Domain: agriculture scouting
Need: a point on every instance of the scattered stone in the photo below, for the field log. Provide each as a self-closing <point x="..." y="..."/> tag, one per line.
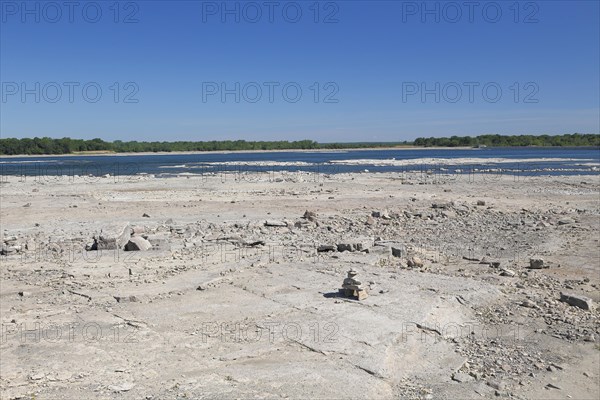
<point x="326" y="247"/>
<point x="507" y="272"/>
<point x="537" y="263"/>
<point x="495" y="385"/>
<point x="357" y="244"/>
<point x="112" y="237"/>
<point x="551" y="386"/>
<point x="126" y="299"/>
<point x="138" y="243"/>
<point x="461" y="377"/>
<point x="8" y="250"/>
<point x="275" y="223"/>
<point x="582" y="302"/>
<point x="37" y="376"/>
<point x="566" y="221"/>
<point x="529" y="304"/>
<point x="590" y="338"/>
<point x="397" y="251"/>
<point x="124" y="387"/>
<point x="310" y="215"/>
<point x="415" y="262"/>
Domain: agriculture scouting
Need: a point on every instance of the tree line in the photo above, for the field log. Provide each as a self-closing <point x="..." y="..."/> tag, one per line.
<point x="45" y="145"/>
<point x="575" y="139"/>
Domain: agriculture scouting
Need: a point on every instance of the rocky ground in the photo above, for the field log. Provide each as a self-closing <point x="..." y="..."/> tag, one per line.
<point x="227" y="286"/>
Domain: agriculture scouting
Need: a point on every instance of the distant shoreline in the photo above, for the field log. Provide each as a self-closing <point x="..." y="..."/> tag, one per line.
<point x="164" y="153"/>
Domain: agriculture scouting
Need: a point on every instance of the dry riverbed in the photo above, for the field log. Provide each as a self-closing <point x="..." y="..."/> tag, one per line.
<point x="478" y="287"/>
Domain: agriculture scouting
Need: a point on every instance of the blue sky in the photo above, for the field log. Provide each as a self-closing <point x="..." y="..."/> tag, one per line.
<point x="369" y="63"/>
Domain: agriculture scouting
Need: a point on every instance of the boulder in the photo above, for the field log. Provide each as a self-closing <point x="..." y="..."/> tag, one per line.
<point x="355" y="244"/>
<point x="397" y="249"/>
<point x="537" y="263"/>
<point x="138" y="243"/>
<point x="326" y="247"/>
<point x="112" y="237"/>
<point x="582" y="302"/>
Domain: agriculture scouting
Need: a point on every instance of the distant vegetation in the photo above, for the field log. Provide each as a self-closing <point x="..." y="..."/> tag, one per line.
<point x="575" y="139"/>
<point x="37" y="146"/>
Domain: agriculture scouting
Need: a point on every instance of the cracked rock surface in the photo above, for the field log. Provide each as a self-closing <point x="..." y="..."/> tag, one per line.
<point x="229" y="288"/>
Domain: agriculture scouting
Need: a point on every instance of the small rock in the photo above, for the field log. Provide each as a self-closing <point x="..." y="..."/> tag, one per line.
<point x="415" y="262"/>
<point x="138" y="243"/>
<point x="590" y="338"/>
<point x="566" y="221"/>
<point x="495" y="385"/>
<point x="37" y="376"/>
<point x="461" y="377"/>
<point x="578" y="301"/>
<point x="275" y="223"/>
<point x="551" y="386"/>
<point x="480" y="202"/>
<point x="326" y="247"/>
<point x="529" y="304"/>
<point x="126" y="299"/>
<point x="145" y="215"/>
<point x="507" y="272"/>
<point x="537" y="263"/>
<point x="310" y="215"/>
<point x="124" y="387"/>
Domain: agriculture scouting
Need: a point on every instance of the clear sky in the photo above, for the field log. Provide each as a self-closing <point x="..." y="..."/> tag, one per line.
<point x="328" y="71"/>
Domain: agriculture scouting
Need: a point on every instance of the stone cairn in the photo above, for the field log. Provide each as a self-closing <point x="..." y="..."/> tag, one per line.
<point x="351" y="287"/>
